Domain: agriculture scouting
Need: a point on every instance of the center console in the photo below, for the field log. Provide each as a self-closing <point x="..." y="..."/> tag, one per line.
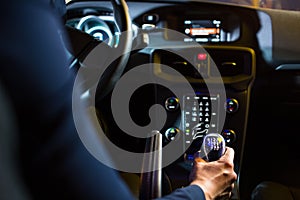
<point x="210" y="109"/>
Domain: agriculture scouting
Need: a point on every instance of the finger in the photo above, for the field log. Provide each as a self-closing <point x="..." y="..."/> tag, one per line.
<point x="228" y="155"/>
<point x="228" y="190"/>
<point x="231" y="187"/>
<point x="225" y="196"/>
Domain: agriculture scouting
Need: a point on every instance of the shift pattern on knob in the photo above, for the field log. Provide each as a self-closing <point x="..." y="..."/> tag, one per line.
<point x="213" y="147"/>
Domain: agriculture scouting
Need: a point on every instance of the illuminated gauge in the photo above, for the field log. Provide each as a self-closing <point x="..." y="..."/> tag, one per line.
<point x="73" y="22"/>
<point x="96" y="27"/>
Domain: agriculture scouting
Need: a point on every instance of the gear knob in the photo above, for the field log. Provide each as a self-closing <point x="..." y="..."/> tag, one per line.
<point x="213" y="147"/>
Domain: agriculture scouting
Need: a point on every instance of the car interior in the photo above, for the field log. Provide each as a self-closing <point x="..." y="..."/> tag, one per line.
<point x="242" y="63"/>
<point x="185" y="69"/>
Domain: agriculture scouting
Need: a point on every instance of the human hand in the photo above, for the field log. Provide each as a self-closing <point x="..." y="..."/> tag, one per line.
<point x="215" y="178"/>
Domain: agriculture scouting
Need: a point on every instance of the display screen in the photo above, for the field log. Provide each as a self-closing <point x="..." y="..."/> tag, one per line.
<point x="202" y="30"/>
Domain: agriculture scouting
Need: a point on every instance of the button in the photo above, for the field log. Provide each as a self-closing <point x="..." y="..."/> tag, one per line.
<point x="172" y="104"/>
<point x="171" y="133"/>
<point x="232" y="105"/>
<point x="201" y="56"/>
<point x="229" y="136"/>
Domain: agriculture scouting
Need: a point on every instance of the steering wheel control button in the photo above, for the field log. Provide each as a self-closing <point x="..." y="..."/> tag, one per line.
<point x="172" y="104"/>
<point x="171" y="133"/>
<point x="229" y="136"/>
<point x="232" y="105"/>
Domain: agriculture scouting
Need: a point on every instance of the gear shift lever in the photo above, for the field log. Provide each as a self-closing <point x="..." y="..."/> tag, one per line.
<point x="213" y="147"/>
<point x="151" y="182"/>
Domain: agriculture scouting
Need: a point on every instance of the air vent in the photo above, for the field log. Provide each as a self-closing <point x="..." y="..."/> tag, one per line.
<point x="230" y="62"/>
<point x="214" y="62"/>
<point x="180" y="64"/>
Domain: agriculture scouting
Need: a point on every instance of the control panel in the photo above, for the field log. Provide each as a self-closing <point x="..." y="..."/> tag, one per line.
<point x="200" y="116"/>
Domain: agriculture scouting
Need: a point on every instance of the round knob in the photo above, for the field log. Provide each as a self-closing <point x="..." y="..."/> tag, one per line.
<point x="172" y="103"/>
<point x="229" y="136"/>
<point x="171" y="133"/>
<point x="232" y="105"/>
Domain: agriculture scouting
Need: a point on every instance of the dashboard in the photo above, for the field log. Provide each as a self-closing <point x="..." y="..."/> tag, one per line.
<point x="241" y="62"/>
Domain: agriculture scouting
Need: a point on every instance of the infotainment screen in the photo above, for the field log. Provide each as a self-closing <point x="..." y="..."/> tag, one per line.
<point x="202" y="30"/>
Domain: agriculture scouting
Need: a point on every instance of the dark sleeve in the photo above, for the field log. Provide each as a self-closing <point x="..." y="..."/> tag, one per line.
<point x="34" y="70"/>
<point x="192" y="192"/>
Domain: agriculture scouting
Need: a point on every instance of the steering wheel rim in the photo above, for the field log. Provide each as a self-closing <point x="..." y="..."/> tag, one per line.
<point x="123" y="21"/>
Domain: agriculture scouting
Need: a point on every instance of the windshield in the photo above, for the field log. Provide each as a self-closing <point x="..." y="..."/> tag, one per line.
<point x="273" y="4"/>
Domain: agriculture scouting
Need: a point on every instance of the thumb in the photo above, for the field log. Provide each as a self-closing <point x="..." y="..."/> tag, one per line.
<point x="228" y="155"/>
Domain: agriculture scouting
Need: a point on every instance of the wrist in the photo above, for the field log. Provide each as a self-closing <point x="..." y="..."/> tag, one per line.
<point x="204" y="190"/>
